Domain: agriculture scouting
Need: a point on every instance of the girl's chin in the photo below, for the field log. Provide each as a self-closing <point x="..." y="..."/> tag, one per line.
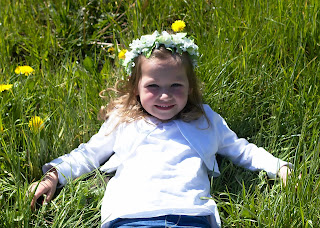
<point x="164" y="117"/>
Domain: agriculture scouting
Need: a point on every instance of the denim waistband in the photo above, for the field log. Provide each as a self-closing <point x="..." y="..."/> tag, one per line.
<point x="166" y="221"/>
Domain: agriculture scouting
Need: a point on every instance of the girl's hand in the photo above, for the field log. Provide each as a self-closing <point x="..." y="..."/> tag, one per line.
<point x="47" y="187"/>
<point x="284" y="172"/>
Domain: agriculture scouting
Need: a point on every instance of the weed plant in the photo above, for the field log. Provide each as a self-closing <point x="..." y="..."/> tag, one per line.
<point x="259" y="68"/>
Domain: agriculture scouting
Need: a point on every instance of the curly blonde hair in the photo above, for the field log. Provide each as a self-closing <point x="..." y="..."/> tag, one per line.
<point x="127" y="103"/>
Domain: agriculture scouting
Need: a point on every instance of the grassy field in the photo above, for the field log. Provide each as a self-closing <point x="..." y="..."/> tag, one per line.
<point x="260" y="70"/>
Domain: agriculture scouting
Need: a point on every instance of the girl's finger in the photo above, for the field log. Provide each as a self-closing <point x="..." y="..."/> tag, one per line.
<point x="31" y="189"/>
<point x="33" y="202"/>
<point x="49" y="196"/>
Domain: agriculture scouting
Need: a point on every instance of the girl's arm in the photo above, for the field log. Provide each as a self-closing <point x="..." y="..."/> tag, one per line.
<point x="88" y="156"/>
<point x="83" y="159"/>
<point x="248" y="155"/>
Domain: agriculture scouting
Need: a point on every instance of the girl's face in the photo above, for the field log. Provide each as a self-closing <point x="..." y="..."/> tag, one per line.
<point x="163" y="87"/>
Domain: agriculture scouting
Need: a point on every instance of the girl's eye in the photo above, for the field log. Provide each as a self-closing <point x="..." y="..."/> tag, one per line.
<point x="176" y="85"/>
<point x="152" y="86"/>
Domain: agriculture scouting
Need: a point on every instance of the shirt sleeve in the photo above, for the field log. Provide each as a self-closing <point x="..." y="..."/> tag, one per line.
<point x="246" y="154"/>
<point x="88" y="156"/>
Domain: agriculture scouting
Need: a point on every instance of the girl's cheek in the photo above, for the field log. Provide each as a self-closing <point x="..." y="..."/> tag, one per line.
<point x="153" y="91"/>
<point x="180" y="92"/>
<point x="150" y="94"/>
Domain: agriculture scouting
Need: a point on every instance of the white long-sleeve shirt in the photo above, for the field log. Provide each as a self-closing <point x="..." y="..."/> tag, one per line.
<point x="162" y="167"/>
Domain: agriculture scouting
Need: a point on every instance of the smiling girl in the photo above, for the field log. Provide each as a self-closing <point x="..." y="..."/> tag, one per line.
<point x="162" y="143"/>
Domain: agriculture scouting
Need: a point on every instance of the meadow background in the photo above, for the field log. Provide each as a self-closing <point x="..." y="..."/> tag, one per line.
<point x="260" y="70"/>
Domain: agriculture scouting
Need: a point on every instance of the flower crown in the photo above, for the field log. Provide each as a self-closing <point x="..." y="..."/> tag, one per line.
<point x="178" y="42"/>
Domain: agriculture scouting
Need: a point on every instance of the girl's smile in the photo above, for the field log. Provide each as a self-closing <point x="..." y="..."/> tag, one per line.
<point x="164" y="107"/>
<point x="163" y="88"/>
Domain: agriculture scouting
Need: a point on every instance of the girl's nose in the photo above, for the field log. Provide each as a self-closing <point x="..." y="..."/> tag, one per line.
<point x="165" y="95"/>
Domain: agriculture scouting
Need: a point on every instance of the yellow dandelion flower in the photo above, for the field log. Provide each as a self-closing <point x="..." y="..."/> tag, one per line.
<point x="5" y="87"/>
<point x="36" y="124"/>
<point x="122" y="54"/>
<point x="26" y="70"/>
<point x="178" y="26"/>
<point x="111" y="50"/>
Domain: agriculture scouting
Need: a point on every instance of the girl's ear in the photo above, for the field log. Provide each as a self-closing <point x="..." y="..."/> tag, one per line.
<point x="190" y="91"/>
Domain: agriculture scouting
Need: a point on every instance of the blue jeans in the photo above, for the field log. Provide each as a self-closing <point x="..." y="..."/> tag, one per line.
<point x="167" y="221"/>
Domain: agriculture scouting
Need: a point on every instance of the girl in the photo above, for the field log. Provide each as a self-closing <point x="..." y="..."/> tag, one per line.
<point x="161" y="141"/>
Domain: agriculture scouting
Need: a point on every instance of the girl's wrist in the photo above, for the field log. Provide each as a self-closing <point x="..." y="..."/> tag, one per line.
<point x="52" y="175"/>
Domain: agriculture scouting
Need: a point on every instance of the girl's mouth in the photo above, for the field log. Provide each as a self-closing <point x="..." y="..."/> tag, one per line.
<point x="164" y="107"/>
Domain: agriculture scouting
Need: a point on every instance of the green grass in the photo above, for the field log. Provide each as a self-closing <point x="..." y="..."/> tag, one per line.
<point x="260" y="70"/>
